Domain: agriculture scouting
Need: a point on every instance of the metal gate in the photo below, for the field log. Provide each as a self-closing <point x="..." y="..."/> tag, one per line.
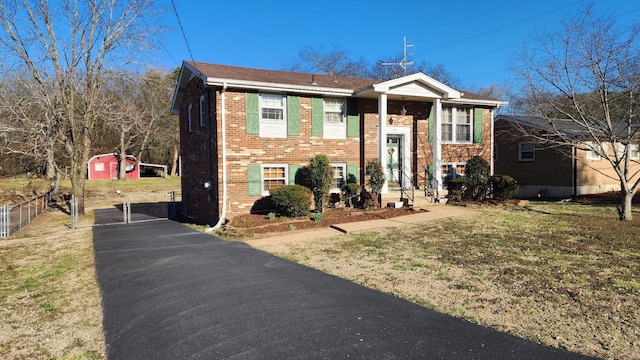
<point x="140" y="207"/>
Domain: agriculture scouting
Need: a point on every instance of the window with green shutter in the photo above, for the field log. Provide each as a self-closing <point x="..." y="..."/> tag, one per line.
<point x="353" y="118"/>
<point x="352" y="173"/>
<point x="253" y="113"/>
<point x="430" y="128"/>
<point x="317" y="116"/>
<point x="254" y="180"/>
<point x="293" y="115"/>
<point x="477" y="125"/>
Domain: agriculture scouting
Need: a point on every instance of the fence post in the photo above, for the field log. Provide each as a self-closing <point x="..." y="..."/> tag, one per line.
<point x="4" y="221"/>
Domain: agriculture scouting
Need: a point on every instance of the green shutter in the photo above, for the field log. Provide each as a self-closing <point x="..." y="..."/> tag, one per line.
<point x="253" y="113"/>
<point x="352" y="170"/>
<point x="477" y="125"/>
<point x="293" y="170"/>
<point x="254" y="180"/>
<point x="353" y="118"/>
<point x="430" y="130"/>
<point x="317" y="116"/>
<point x="293" y="115"/>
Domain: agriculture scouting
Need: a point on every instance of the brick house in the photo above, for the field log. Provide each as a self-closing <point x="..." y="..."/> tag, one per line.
<point x="244" y="131"/>
<point x="553" y="171"/>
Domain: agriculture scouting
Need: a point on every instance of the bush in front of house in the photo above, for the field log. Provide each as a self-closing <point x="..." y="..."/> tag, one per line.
<point x="477" y="174"/>
<point x="459" y="189"/>
<point x="349" y="192"/>
<point x="321" y="174"/>
<point x="376" y="180"/>
<point x="503" y="187"/>
<point x="291" y="200"/>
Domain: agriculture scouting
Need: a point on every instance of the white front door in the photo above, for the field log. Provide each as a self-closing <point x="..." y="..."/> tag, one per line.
<point x="394" y="160"/>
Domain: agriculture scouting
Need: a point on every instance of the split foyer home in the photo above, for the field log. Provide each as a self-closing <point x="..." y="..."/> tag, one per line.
<point x="246" y="131"/>
<point x="554" y="171"/>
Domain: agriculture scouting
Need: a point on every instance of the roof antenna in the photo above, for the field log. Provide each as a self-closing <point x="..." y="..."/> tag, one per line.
<point x="403" y="64"/>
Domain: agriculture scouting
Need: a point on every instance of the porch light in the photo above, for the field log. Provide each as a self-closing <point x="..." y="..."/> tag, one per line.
<point x="403" y="111"/>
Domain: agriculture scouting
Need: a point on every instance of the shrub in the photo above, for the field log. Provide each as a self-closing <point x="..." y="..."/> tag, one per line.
<point x="291" y="200"/>
<point x="459" y="189"/>
<point x="376" y="178"/>
<point x="477" y="173"/>
<point x="349" y="193"/>
<point x="503" y="187"/>
<point x="321" y="174"/>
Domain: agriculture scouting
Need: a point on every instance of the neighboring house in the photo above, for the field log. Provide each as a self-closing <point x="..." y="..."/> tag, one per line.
<point x="105" y="167"/>
<point x="550" y="171"/>
<point x="245" y="131"/>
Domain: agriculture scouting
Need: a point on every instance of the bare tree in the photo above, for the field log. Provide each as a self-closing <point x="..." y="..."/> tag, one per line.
<point x="71" y="48"/>
<point x="588" y="73"/>
<point x="332" y="62"/>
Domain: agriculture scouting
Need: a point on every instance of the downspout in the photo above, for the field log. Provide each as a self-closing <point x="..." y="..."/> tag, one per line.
<point x="224" y="158"/>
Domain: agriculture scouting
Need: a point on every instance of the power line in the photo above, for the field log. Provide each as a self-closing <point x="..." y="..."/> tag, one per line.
<point x="502" y="27"/>
<point x="175" y="11"/>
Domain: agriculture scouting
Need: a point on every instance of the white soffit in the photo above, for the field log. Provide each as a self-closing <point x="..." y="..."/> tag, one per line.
<point x="415" y="88"/>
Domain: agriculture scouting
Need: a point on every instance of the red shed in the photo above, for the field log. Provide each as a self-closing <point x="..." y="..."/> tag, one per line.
<point x="105" y="167"/>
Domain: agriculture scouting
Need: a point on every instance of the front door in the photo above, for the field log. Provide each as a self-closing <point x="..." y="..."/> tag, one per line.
<point x="394" y="160"/>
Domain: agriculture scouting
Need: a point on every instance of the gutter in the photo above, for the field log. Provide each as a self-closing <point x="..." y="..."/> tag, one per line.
<point x="224" y="159"/>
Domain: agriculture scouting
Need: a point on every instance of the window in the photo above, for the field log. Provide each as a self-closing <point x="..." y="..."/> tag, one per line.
<point x="273" y="176"/>
<point x="190" y="118"/>
<point x="595" y="150"/>
<point x="634" y="151"/>
<point x="98" y="167"/>
<point x="335" y="126"/>
<point x="526" y="152"/>
<point x="456" y="125"/>
<point x="451" y="171"/>
<point x="202" y="111"/>
<point x="272" y="116"/>
<point x="339" y="177"/>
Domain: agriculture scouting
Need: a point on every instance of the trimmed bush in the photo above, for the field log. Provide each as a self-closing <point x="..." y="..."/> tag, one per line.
<point x="292" y="200"/>
<point x="349" y="192"/>
<point x="503" y="187"/>
<point x="459" y="189"/>
<point x="321" y="173"/>
<point x="376" y="178"/>
<point x="477" y="172"/>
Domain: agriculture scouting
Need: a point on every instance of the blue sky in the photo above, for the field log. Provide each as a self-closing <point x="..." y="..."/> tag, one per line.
<point x="473" y="39"/>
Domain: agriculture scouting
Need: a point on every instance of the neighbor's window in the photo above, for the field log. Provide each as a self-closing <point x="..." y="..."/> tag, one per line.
<point x="98" y="167"/>
<point x="335" y="126"/>
<point x="456" y="124"/>
<point x="273" y="176"/>
<point x="526" y="152"/>
<point x="202" y="111"/>
<point x="190" y="118"/>
<point x="272" y="116"/>
<point x="339" y="176"/>
<point x="595" y="150"/>
<point x="634" y="151"/>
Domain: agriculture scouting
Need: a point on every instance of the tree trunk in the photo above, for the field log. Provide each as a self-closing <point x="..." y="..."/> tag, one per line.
<point x="174" y="163"/>
<point x="625" y="212"/>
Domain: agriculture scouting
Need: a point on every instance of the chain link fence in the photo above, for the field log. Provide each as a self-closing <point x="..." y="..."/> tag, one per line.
<point x="140" y="207"/>
<point x="14" y="217"/>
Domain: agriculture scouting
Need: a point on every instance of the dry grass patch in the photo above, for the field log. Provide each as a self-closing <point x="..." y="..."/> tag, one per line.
<point x="49" y="296"/>
<point x="563" y="275"/>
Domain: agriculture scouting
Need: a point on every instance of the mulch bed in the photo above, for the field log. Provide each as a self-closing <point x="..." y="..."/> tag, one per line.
<point x="261" y="224"/>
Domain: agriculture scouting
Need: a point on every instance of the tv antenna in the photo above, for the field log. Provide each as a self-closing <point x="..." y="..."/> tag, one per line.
<point x="403" y="63"/>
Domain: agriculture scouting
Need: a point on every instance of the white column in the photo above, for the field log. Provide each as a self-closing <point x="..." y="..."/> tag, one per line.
<point x="437" y="144"/>
<point x="382" y="136"/>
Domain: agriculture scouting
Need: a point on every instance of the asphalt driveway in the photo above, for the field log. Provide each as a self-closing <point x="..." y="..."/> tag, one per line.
<point x="170" y="292"/>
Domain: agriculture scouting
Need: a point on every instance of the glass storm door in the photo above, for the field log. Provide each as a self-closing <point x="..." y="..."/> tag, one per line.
<point x="393" y="160"/>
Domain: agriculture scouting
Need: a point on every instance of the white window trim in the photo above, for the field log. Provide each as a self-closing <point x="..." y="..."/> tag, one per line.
<point x="454" y="125"/>
<point x="453" y="165"/>
<point x="98" y="167"/>
<point x="533" y="151"/>
<point x="202" y="111"/>
<point x="634" y="148"/>
<point x="190" y="118"/>
<point x="592" y="154"/>
<point x="344" y="176"/>
<point x="269" y="127"/>
<point x="262" y="179"/>
<point x="333" y="130"/>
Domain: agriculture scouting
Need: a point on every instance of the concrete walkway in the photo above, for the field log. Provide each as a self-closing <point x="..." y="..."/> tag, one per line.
<point x="424" y="214"/>
<point x="171" y="292"/>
